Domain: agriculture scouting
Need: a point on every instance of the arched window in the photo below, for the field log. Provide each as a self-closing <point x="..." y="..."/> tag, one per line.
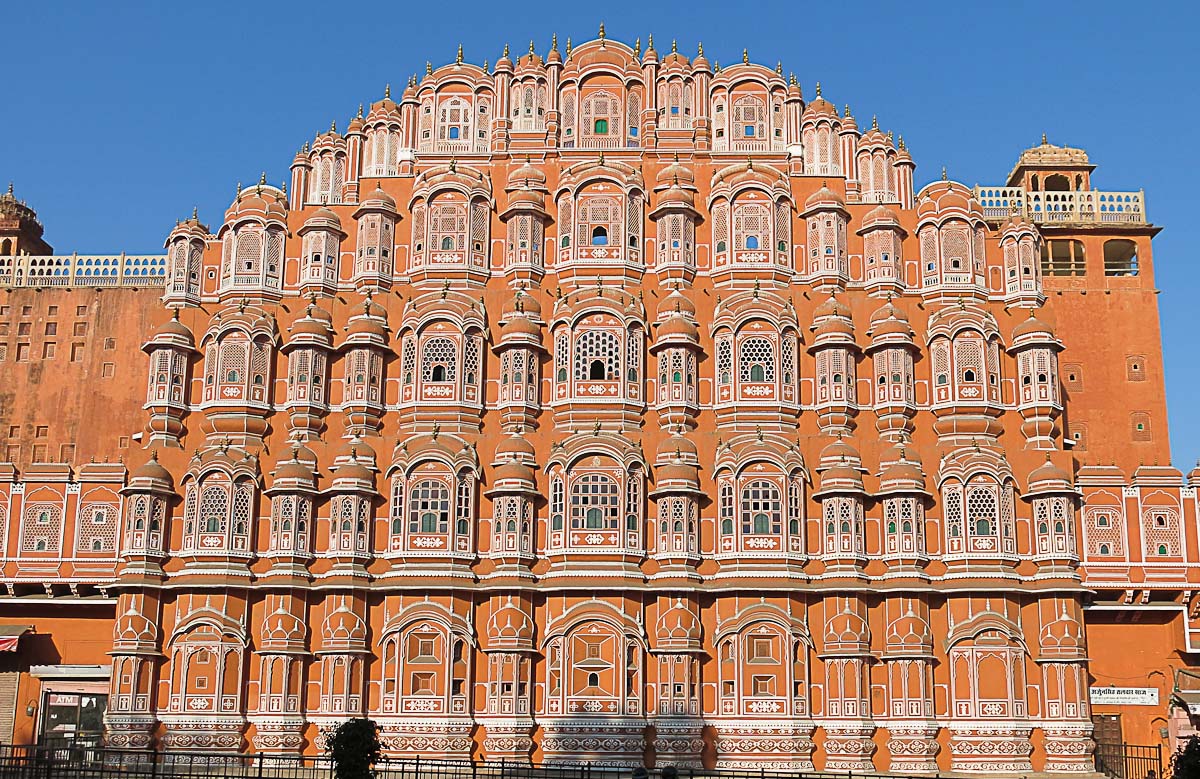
<point x="762" y="508"/>
<point x="556" y="503"/>
<point x="595" y="502"/>
<point x="448" y="226"/>
<point x="756" y="360"/>
<point x="981" y="511"/>
<point x="751" y="225"/>
<point x="429" y="507"/>
<point x="597" y="356"/>
<point x="599" y="220"/>
<point x="438" y="360"/>
<point x="726" y="509"/>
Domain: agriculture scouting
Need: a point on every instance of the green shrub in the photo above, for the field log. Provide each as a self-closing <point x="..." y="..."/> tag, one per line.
<point x="354" y="748"/>
<point x="1185" y="763"/>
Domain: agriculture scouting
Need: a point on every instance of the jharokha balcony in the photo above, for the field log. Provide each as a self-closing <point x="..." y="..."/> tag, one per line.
<point x="77" y="270"/>
<point x="1067" y="207"/>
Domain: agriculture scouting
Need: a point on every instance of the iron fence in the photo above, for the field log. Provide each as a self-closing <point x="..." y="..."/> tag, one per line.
<point x="75" y="760"/>
<point x="1129" y="761"/>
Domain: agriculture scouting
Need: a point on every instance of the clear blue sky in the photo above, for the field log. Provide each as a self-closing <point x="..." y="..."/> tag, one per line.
<point x="119" y="117"/>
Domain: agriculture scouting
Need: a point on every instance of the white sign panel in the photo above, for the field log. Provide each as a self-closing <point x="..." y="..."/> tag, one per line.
<point x="1124" y="696"/>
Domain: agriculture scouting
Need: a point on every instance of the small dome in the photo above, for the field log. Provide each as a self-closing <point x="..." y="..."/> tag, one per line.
<point x="526" y="176"/>
<point x="153" y="471"/>
<point x="522" y="303"/>
<point x="676" y="174"/>
<point x="880" y="216"/>
<point x="834" y="326"/>
<point x="679" y="325"/>
<point x="322" y="219"/>
<point x="527" y="197"/>
<point x="820" y="108"/>
<point x="888" y="311"/>
<point x="132" y="628"/>
<point x="677" y="471"/>
<point x="343" y="625"/>
<point x="824" y="198"/>
<point x="281" y="626"/>
<point x="515" y="471"/>
<point x="677" y="302"/>
<point x="1032" y="326"/>
<point x="902" y="475"/>
<point x="678" y="625"/>
<point x="173" y="332"/>
<point x="838" y="451"/>
<point x="520" y="325"/>
<point x="509" y="625"/>
<point x="378" y="200"/>
<point x="353" y="469"/>
<point x="677" y="196"/>
<point x="832" y="307"/>
<point x="847" y="628"/>
<point x="909" y="633"/>
<point x="297" y="467"/>
<point x="355" y="449"/>
<point x="676" y="447"/>
<point x="515" y="447"/>
<point x="1048" y="474"/>
<point x="842" y="476"/>
<point x="363" y="325"/>
<point x="902" y="451"/>
<point x="262" y="200"/>
<point x="310" y="326"/>
<point x="943" y="196"/>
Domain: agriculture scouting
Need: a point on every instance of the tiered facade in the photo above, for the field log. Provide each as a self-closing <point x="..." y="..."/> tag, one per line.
<point x="617" y="406"/>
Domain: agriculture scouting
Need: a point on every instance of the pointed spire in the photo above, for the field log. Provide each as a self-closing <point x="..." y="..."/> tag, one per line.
<point x="944" y="173"/>
<point x="458" y="57"/>
<point x="333" y="126"/>
<point x="195" y="215"/>
<point x="902" y="146"/>
<point x="428" y="68"/>
<point x="568" y="46"/>
<point x="745" y="56"/>
<point x="791" y="79"/>
<point x="779" y="67"/>
<point x="674" y="46"/>
<point x="554" y="41"/>
<point x="531" y="47"/>
<point x="637" y="48"/>
<point x="360" y="116"/>
<point x="485" y="67"/>
<point x="387" y="90"/>
<point x="602" y="36"/>
<point x="1043" y="139"/>
<point x="874" y="122"/>
<point x="10" y="188"/>
<point x="262" y="178"/>
<point x="650" y="42"/>
<point x="505" y="54"/>
<point x="700" y="49"/>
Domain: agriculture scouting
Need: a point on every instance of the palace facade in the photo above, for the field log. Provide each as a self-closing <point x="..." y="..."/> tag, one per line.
<point x="611" y="406"/>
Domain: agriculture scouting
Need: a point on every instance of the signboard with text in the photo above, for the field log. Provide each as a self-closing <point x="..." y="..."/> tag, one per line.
<point x="1124" y="696"/>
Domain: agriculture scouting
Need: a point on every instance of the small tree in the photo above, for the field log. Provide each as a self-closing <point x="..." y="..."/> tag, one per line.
<point x="354" y="748"/>
<point x="1185" y="763"/>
